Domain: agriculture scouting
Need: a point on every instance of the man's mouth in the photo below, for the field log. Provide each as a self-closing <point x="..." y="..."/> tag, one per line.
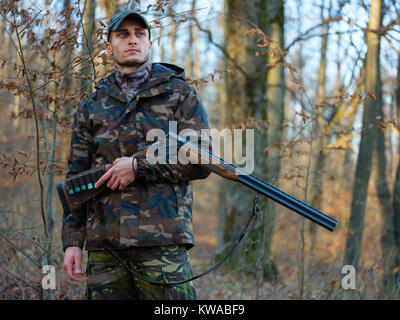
<point x="133" y="50"/>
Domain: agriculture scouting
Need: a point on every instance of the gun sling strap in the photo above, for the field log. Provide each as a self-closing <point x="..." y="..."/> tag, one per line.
<point x="254" y="214"/>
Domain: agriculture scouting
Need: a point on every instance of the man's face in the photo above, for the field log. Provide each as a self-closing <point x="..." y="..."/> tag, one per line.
<point x="129" y="45"/>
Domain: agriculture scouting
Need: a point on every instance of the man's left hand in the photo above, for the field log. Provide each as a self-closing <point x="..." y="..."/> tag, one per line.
<point x="119" y="176"/>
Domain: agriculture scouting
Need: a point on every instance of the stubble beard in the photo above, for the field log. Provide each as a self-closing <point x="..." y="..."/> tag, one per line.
<point x="134" y="62"/>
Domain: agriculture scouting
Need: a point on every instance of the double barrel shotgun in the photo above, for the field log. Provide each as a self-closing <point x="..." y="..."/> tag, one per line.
<point x="80" y="188"/>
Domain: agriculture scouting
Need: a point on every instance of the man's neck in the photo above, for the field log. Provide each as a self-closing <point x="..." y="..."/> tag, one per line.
<point x="130" y="81"/>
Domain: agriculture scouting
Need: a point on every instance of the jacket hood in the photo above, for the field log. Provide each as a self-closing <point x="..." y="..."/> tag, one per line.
<point x="169" y="68"/>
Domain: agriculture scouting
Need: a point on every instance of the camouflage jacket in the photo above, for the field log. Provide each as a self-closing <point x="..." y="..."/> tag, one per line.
<point x="155" y="209"/>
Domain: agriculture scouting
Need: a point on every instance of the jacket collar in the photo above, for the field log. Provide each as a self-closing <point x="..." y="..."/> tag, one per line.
<point x="158" y="82"/>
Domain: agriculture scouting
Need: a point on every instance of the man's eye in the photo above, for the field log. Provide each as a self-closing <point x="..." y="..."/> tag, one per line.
<point x="141" y="34"/>
<point x="123" y="34"/>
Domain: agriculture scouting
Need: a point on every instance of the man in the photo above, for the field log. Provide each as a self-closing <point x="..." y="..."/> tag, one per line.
<point x="145" y="216"/>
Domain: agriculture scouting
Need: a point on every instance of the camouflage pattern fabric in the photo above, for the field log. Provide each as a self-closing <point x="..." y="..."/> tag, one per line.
<point x="130" y="82"/>
<point x="155" y="209"/>
<point x="109" y="280"/>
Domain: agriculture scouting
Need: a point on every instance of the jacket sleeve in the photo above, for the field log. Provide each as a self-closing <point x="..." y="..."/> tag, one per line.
<point x="190" y="114"/>
<point x="74" y="222"/>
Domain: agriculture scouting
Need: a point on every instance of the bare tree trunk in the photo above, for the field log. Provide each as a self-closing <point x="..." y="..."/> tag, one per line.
<point x="387" y="234"/>
<point x="50" y="196"/>
<point x="275" y="117"/>
<point x="317" y="195"/>
<point x="396" y="188"/>
<point x="172" y="31"/>
<point x="368" y="139"/>
<point x="88" y="77"/>
<point x="348" y="112"/>
<point x="69" y="52"/>
<point x="110" y="7"/>
<point x="161" y="44"/>
<point x="192" y="59"/>
<point x="224" y="236"/>
<point x="247" y="98"/>
<point x="48" y="66"/>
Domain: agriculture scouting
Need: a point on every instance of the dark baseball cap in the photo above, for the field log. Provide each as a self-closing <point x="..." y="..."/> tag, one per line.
<point x="117" y="19"/>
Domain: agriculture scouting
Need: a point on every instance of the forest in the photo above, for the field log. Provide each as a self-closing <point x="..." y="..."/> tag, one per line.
<point x="318" y="82"/>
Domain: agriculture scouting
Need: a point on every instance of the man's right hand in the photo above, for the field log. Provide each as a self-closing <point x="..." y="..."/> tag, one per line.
<point x="120" y="175"/>
<point x="73" y="264"/>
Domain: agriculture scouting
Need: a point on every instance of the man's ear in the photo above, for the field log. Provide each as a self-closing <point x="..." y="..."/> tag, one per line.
<point x="109" y="48"/>
<point x="150" y="45"/>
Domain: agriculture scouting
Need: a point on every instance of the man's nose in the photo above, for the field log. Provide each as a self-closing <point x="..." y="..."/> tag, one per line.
<point x="133" y="39"/>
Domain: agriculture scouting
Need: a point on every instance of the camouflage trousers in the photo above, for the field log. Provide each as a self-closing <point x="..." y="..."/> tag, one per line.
<point x="108" y="279"/>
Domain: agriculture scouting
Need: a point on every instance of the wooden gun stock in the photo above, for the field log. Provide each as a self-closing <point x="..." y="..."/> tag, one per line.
<point x="79" y="188"/>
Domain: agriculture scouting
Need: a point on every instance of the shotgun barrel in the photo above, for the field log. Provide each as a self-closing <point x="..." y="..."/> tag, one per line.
<point x="221" y="167"/>
<point x="288" y="201"/>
